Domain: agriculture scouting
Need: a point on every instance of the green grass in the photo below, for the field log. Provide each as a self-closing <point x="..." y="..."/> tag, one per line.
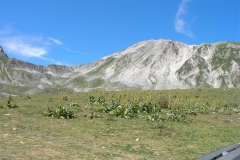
<point x="25" y="133"/>
<point x="101" y="67"/>
<point x="79" y="81"/>
<point x="98" y="82"/>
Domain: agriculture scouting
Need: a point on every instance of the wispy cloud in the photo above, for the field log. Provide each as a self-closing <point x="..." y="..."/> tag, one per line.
<point x="58" y="42"/>
<point x="51" y="60"/>
<point x="181" y="25"/>
<point x="29" y="46"/>
<point x="32" y="46"/>
<point x="19" y="45"/>
<point x="73" y="51"/>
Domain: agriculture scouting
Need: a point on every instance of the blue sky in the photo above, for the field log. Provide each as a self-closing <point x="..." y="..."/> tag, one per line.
<point x="73" y="32"/>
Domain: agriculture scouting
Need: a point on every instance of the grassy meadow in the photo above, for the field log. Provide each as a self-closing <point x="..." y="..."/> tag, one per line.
<point x="172" y="124"/>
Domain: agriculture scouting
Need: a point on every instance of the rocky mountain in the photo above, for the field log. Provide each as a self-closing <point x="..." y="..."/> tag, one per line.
<point x="153" y="64"/>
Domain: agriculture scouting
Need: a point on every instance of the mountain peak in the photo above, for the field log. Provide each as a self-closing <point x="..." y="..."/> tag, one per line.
<point x="2" y="52"/>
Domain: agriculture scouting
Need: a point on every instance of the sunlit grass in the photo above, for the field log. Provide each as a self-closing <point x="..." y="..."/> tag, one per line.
<point x="27" y="134"/>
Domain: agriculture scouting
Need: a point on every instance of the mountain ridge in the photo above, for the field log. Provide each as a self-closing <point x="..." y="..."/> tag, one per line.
<point x="151" y="64"/>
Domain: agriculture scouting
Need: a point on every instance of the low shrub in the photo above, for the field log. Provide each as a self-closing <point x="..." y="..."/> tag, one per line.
<point x="10" y="103"/>
<point x="60" y="112"/>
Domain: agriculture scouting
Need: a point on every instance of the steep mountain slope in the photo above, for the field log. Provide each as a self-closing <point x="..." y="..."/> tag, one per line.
<point x="27" y="77"/>
<point x="153" y="64"/>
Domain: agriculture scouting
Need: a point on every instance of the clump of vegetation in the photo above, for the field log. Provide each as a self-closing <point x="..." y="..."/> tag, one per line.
<point x="157" y="106"/>
<point x="29" y="98"/>
<point x="93" y="115"/>
<point x="145" y="106"/>
<point x="122" y="106"/>
<point x="61" y="111"/>
<point x="10" y="103"/>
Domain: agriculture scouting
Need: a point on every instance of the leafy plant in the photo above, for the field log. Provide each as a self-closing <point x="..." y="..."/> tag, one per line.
<point x="93" y="115"/>
<point x="155" y="106"/>
<point x="10" y="103"/>
<point x="74" y="105"/>
<point x="60" y="112"/>
<point x="91" y="100"/>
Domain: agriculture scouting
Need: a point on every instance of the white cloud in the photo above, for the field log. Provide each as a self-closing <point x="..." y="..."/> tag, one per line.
<point x="181" y="25"/>
<point x="26" y="47"/>
<point x="31" y="46"/>
<point x="21" y="46"/>
<point x="58" y="42"/>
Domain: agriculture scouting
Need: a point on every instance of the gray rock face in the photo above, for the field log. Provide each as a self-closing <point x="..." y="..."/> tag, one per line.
<point x="153" y="64"/>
